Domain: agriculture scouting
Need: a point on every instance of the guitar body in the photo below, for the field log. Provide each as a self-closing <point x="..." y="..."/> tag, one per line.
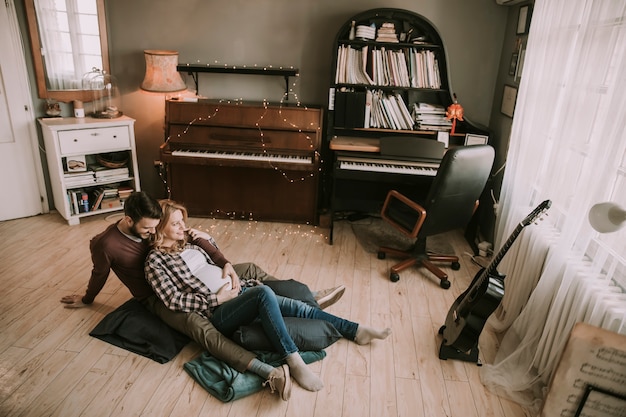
<point x="469" y="313"/>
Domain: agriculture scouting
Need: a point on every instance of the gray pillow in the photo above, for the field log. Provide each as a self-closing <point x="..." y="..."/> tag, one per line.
<point x="307" y="334"/>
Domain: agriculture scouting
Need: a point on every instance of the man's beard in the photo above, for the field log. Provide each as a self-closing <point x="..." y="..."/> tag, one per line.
<point x="134" y="232"/>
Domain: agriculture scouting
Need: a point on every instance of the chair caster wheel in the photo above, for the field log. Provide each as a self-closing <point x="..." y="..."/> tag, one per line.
<point x="382" y="255"/>
<point x="441" y="329"/>
<point x="455" y="266"/>
<point x="394" y="277"/>
<point x="445" y="284"/>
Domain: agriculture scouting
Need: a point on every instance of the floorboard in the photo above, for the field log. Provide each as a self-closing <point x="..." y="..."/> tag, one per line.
<point x="50" y="366"/>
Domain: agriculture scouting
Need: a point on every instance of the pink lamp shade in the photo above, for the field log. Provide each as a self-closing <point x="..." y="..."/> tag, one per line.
<point x="161" y="75"/>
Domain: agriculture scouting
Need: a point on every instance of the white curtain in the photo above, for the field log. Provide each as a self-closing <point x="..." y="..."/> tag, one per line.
<point x="70" y="41"/>
<point x="567" y="144"/>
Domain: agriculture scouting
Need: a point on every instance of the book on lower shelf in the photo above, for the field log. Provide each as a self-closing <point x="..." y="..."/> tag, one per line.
<point x="78" y="201"/>
<point x="110" y="203"/>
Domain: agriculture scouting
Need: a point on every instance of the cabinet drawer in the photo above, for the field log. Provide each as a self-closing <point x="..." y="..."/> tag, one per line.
<point x="86" y="141"/>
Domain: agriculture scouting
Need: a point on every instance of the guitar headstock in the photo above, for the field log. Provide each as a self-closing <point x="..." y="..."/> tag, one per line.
<point x="538" y="211"/>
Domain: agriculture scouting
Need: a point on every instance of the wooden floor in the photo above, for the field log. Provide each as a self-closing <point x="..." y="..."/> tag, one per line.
<point x="50" y="366"/>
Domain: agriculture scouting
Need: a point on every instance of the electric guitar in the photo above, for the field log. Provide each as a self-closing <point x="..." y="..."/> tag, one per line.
<point x="470" y="311"/>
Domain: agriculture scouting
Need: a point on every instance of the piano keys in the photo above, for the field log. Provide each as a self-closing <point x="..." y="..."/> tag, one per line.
<point x="244" y="156"/>
<point x="390" y="166"/>
<point x="244" y="161"/>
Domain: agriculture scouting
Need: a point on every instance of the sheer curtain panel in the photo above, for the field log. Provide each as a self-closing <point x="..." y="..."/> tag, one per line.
<point x="568" y="145"/>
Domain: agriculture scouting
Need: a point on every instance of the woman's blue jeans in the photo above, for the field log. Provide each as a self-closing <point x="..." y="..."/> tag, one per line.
<point x="263" y="304"/>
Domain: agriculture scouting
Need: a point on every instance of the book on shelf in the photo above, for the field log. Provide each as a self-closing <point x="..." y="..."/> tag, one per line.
<point x="124" y="192"/>
<point x="101" y="194"/>
<point x="79" y="201"/>
<point x="109" y="203"/>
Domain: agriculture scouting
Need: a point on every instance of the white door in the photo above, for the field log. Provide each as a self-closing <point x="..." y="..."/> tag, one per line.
<point x="21" y="173"/>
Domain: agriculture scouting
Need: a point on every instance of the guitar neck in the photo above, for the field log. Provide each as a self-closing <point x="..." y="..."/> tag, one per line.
<point x="505" y="248"/>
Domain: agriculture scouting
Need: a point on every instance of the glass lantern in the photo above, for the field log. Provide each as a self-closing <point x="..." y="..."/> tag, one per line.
<point x="105" y="94"/>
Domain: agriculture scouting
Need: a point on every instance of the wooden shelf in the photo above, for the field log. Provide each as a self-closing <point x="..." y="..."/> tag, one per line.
<point x="194" y="69"/>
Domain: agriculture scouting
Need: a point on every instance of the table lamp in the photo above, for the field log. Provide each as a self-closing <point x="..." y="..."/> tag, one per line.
<point x="161" y="74"/>
<point x="607" y="217"/>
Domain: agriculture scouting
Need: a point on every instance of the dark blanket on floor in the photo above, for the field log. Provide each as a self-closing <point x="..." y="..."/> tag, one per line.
<point x="132" y="327"/>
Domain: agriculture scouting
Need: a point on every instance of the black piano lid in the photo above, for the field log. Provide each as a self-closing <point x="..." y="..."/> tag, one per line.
<point x="411" y="147"/>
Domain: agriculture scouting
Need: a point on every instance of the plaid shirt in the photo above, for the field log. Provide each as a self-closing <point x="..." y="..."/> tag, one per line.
<point x="176" y="286"/>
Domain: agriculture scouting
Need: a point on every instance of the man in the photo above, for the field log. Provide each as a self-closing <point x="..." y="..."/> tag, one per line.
<point x="122" y="248"/>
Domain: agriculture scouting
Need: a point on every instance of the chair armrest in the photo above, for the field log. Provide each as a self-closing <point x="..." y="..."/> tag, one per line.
<point x="407" y="217"/>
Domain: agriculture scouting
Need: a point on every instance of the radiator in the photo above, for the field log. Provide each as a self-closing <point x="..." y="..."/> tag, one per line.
<point x="590" y="299"/>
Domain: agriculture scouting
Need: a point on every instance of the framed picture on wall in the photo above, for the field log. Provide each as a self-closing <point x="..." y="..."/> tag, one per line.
<point x="523" y="20"/>
<point x="472" y="139"/>
<point x="513" y="63"/>
<point x="520" y="64"/>
<point x="509" y="96"/>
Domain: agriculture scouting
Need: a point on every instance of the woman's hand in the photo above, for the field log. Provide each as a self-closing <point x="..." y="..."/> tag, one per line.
<point x="229" y="272"/>
<point x="224" y="294"/>
<point x="199" y="234"/>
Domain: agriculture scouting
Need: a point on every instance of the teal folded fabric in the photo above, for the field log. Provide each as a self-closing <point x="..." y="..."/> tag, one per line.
<point x="226" y="384"/>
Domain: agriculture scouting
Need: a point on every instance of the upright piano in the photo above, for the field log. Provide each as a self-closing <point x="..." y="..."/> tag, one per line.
<point x="243" y="161"/>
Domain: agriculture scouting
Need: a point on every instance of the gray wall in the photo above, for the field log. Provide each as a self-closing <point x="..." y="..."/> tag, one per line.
<point x="282" y="33"/>
<point x="286" y="33"/>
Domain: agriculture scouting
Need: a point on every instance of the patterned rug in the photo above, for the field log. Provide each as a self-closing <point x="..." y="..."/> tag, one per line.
<point x="374" y="232"/>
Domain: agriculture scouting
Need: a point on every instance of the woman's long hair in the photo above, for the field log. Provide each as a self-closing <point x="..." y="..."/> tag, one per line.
<point x="168" y="207"/>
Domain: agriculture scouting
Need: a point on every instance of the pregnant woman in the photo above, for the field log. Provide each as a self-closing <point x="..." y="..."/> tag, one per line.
<point x="183" y="276"/>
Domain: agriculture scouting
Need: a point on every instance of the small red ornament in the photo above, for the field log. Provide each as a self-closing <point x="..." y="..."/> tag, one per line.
<point x="454" y="113"/>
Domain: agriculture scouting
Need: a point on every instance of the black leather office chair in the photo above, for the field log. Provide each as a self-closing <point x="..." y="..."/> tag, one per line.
<point x="451" y="201"/>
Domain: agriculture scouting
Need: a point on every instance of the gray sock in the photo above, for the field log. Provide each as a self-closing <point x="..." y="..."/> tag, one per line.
<point x="260" y="368"/>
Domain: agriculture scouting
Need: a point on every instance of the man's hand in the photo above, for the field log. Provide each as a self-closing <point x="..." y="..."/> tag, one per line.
<point x="224" y="294"/>
<point x="229" y="272"/>
<point x="73" y="301"/>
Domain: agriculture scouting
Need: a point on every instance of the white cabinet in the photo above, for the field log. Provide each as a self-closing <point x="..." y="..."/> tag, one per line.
<point x="92" y="164"/>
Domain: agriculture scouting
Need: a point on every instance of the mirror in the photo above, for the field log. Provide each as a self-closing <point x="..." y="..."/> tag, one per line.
<point x="68" y="39"/>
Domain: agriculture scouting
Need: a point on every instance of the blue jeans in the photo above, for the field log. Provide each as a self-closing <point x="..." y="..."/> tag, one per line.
<point x="261" y="303"/>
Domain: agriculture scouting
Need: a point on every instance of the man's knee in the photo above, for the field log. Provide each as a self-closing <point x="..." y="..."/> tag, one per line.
<point x="249" y="270"/>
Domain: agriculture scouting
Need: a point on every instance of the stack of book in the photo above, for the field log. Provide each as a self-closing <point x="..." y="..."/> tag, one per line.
<point x="78" y="179"/>
<point x="387" y="33"/>
<point x="104" y="174"/>
<point x="105" y="198"/>
<point x="124" y="192"/>
<point x="431" y="117"/>
<point x="366" y="32"/>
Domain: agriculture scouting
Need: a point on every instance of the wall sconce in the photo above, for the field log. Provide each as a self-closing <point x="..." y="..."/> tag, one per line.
<point x="607" y="217"/>
<point x="161" y="75"/>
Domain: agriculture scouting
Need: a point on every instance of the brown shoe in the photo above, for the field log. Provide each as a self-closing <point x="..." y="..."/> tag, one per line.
<point x="328" y="297"/>
<point x="280" y="382"/>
